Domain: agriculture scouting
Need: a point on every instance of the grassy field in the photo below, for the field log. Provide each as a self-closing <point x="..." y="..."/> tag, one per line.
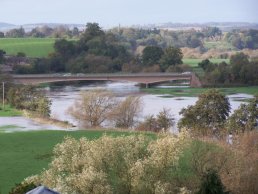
<point x="9" y="111"/>
<point x="26" y="153"/>
<point x="218" y="45"/>
<point x="190" y="92"/>
<point x="32" y="47"/>
<point x="194" y="62"/>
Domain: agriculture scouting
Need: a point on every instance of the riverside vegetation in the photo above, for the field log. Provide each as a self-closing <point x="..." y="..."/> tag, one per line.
<point x="185" y="163"/>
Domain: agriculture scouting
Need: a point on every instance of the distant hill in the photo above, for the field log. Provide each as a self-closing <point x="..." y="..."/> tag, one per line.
<point x="28" y="27"/>
<point x="5" y="26"/>
<point x="224" y="26"/>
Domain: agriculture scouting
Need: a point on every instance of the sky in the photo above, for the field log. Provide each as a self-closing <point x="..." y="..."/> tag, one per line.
<point x="109" y="13"/>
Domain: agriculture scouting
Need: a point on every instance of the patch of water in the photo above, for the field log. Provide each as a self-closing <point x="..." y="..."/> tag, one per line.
<point x="64" y="97"/>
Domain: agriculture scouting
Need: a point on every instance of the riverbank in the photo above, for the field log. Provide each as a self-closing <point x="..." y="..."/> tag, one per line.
<point x="47" y="120"/>
<point x="194" y="92"/>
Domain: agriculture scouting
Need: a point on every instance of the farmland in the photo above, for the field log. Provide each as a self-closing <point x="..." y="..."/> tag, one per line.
<point x="32" y="47"/>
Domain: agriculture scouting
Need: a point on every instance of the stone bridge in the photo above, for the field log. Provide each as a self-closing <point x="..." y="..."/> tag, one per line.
<point x="142" y="78"/>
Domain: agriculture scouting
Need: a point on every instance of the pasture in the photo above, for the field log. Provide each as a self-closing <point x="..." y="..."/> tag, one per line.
<point x="26" y="153"/>
<point x="32" y="47"/>
<point x="194" y="62"/>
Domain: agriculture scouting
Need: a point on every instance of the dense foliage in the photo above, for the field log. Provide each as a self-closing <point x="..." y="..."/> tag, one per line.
<point x="241" y="70"/>
<point x="29" y="98"/>
<point x="243" y="39"/>
<point x="208" y="115"/>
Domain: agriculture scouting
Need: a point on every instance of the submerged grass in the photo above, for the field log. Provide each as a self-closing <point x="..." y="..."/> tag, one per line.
<point x="193" y="92"/>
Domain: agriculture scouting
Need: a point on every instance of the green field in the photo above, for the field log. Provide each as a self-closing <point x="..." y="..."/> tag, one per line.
<point x="194" y="62"/>
<point x="32" y="47"/>
<point x="8" y="111"/>
<point x="218" y="45"/>
<point x="26" y="153"/>
<point x="192" y="92"/>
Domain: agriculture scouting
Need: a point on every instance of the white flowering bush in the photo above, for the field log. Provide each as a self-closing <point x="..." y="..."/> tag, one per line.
<point x="126" y="164"/>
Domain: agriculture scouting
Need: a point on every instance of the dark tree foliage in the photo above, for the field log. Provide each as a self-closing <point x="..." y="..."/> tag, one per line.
<point x="2" y="53"/>
<point x="243" y="39"/>
<point x="22" y="188"/>
<point x="212" y="32"/>
<point x="206" y="65"/>
<point x="238" y="61"/>
<point x="151" y="55"/>
<point x="1" y="35"/>
<point x="64" y="48"/>
<point x="211" y="184"/>
<point x="240" y="71"/>
<point x="171" y="57"/>
<point x="95" y="52"/>
<point x="16" y="33"/>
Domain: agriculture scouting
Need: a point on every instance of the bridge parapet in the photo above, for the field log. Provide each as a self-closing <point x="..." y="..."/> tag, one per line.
<point x="144" y="78"/>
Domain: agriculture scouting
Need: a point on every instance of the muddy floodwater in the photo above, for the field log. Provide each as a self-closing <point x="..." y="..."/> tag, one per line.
<point x="63" y="97"/>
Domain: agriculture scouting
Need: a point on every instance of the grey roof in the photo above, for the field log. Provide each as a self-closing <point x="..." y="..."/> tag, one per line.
<point x="42" y="190"/>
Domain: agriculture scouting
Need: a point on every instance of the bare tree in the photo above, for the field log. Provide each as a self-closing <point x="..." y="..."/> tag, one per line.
<point x="127" y="112"/>
<point x="93" y="107"/>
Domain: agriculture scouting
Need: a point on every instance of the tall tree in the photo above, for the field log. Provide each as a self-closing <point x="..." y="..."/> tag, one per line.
<point x="151" y="55"/>
<point x="172" y="56"/>
<point x="208" y="115"/>
<point x="238" y="61"/>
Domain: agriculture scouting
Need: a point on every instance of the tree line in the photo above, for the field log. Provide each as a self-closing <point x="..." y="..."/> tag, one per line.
<point x="240" y="71"/>
<point x="42" y="32"/>
<point x="97" y="51"/>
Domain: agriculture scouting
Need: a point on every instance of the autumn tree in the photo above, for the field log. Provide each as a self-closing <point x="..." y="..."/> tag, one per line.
<point x="162" y="122"/>
<point x="93" y="107"/>
<point x="127" y="112"/>
<point x="125" y="164"/>
<point x="208" y="115"/>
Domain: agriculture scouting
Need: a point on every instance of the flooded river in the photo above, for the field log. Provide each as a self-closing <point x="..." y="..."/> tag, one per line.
<point x="64" y="96"/>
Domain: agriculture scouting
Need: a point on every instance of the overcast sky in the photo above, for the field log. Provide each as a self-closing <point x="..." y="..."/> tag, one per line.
<point x="127" y="12"/>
